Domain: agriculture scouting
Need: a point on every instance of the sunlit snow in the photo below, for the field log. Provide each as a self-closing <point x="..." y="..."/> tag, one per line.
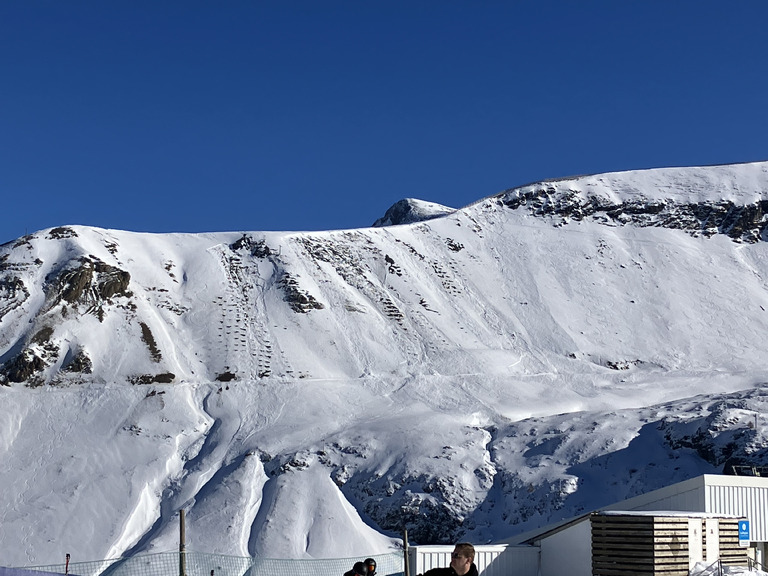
<point x="470" y="376"/>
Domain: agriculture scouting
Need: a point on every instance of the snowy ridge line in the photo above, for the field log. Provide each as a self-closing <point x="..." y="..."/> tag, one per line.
<point x="745" y="179"/>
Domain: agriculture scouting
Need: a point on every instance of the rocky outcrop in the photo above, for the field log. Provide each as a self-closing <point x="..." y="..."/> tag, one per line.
<point x="62" y="232"/>
<point x="409" y="211"/>
<point x="13" y="293"/>
<point x="163" y="378"/>
<point x="85" y="281"/>
<point x="149" y="340"/>
<point x="256" y="248"/>
<point x="725" y="437"/>
<point x="298" y="299"/>
<point x="22" y="367"/>
<point x="40" y="352"/>
<point x="80" y="364"/>
<point x="742" y="223"/>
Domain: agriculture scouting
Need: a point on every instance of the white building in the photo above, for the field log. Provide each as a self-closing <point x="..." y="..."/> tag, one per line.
<point x="741" y="496"/>
<point x="566" y="547"/>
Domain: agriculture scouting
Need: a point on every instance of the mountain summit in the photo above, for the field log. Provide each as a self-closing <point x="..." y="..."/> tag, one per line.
<point x="410" y="211"/>
<point x="471" y="375"/>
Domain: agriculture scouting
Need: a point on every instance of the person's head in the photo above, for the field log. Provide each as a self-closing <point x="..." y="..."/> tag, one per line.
<point x="370" y="563"/>
<point x="462" y="558"/>
<point x="360" y="569"/>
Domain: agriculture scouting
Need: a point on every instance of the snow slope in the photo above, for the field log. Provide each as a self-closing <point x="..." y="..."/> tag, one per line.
<point x="539" y="353"/>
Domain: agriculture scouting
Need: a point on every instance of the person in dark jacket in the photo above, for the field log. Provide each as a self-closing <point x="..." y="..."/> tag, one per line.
<point x="370" y="563"/>
<point x="359" y="569"/>
<point x="462" y="562"/>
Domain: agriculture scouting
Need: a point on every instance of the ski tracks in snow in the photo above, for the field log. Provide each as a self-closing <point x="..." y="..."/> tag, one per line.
<point x="243" y="324"/>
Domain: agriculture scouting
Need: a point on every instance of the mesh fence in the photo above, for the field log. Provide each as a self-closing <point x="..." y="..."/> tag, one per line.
<point x="202" y="564"/>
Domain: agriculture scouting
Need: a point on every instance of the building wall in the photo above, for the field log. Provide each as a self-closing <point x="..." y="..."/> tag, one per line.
<point x="750" y="502"/>
<point x="744" y="496"/>
<point x="565" y="549"/>
<point x="515" y="560"/>
<point x="568" y="552"/>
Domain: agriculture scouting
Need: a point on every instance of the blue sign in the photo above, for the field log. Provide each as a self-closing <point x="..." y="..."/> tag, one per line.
<point x="743" y="530"/>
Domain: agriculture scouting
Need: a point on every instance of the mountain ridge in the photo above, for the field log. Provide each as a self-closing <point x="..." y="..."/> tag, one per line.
<point x="468" y="376"/>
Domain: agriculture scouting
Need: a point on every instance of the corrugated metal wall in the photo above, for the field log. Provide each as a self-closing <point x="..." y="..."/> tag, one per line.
<point x="747" y="501"/>
<point x="491" y="560"/>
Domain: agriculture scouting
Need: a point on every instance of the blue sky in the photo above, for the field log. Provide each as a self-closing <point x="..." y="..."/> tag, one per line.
<point x="166" y="116"/>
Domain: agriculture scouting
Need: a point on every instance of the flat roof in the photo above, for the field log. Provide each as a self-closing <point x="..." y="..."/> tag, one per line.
<point x="667" y="491"/>
<point x="665" y="514"/>
<point x="691" y="484"/>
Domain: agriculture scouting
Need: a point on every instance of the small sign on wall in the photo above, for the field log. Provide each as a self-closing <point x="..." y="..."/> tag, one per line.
<point x="743" y="532"/>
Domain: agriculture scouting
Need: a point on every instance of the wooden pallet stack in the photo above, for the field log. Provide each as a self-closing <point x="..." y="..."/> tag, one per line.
<point x="650" y="544"/>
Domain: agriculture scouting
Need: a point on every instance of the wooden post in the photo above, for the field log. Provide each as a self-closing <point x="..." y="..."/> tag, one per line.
<point x="182" y="545"/>
<point x="405" y="553"/>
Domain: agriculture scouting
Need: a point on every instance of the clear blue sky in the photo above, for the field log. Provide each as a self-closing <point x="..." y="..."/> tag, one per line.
<point x="306" y="115"/>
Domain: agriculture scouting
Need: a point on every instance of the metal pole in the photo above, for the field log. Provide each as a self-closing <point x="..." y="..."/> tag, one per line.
<point x="182" y="545"/>
<point x="405" y="553"/>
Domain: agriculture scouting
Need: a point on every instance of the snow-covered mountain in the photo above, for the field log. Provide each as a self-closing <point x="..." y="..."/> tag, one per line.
<point x="471" y="375"/>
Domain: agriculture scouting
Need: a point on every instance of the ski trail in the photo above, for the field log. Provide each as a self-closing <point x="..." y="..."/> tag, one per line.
<point x="251" y="348"/>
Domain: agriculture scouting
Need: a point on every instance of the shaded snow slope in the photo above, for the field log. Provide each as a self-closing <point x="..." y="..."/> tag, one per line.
<point x="541" y="352"/>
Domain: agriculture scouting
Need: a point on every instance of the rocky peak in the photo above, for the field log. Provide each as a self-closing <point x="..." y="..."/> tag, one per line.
<point x="409" y="211"/>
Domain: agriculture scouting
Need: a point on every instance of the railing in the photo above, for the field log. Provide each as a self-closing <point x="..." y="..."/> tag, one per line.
<point x="755" y="565"/>
<point x="202" y="564"/>
<point x="744" y="470"/>
<point x="716" y="568"/>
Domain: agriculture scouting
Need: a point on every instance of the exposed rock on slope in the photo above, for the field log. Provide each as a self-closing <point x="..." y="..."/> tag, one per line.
<point x="745" y="223"/>
<point x="87" y="281"/>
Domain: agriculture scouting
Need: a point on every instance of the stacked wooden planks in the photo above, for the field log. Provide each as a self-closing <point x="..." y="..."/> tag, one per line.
<point x="636" y="544"/>
<point x="656" y="544"/>
<point x="731" y="552"/>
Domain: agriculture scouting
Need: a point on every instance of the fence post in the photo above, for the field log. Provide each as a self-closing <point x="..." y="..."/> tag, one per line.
<point x="182" y="545"/>
<point x="406" y="564"/>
